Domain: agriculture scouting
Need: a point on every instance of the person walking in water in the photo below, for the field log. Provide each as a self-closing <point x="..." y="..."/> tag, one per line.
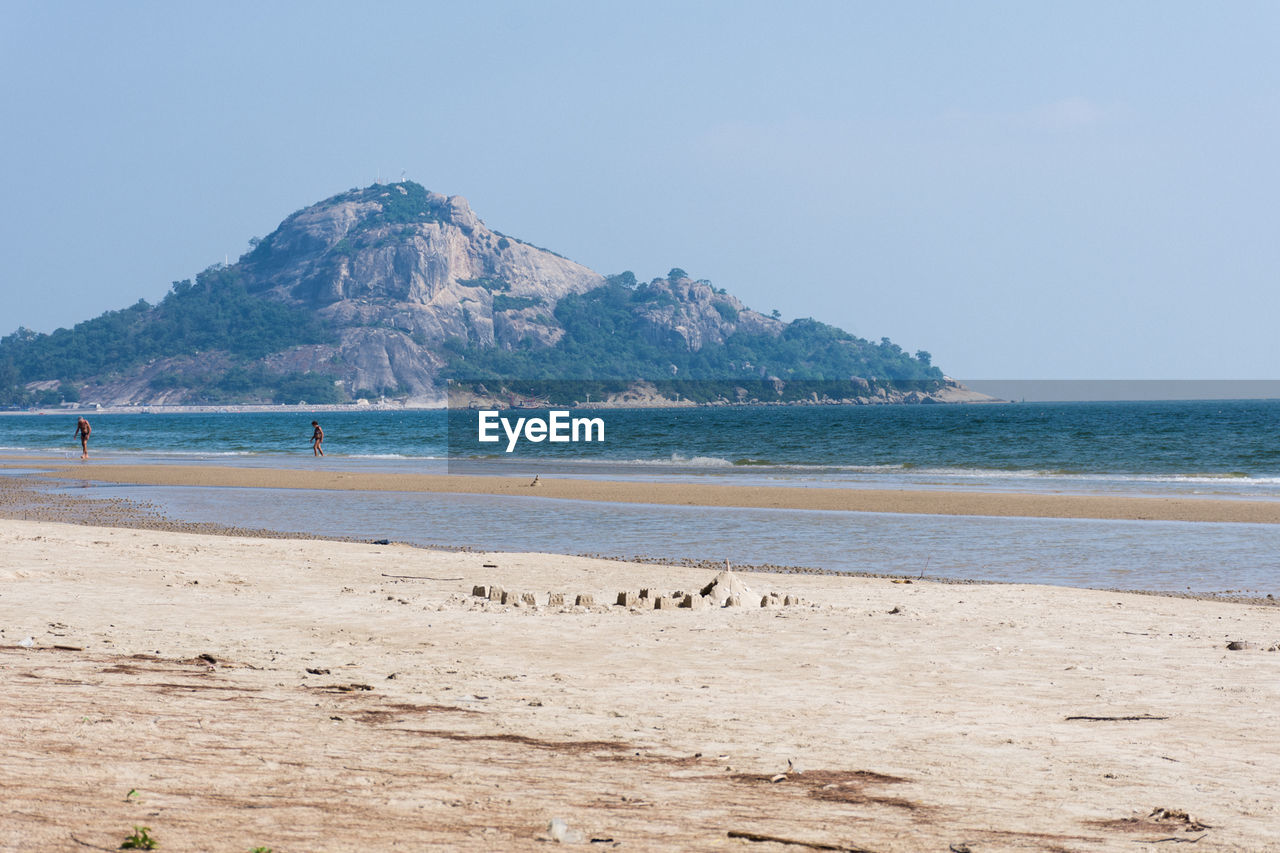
<point x="317" y="437"/>
<point x="82" y="432"/>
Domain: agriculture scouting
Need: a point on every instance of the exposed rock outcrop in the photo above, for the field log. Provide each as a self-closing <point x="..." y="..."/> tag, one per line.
<point x="400" y="271"/>
<point x="693" y="314"/>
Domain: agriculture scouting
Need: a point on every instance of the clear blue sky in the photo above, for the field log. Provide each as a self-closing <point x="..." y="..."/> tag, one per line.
<point x="1026" y="190"/>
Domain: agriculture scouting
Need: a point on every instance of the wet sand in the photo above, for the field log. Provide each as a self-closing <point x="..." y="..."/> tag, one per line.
<point x="927" y="502"/>
<point x="234" y="692"/>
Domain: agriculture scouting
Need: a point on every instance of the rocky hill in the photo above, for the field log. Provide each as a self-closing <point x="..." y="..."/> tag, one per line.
<point x="395" y="269"/>
<point x="390" y="290"/>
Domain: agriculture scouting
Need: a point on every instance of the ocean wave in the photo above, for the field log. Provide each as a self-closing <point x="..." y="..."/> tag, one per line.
<point x="916" y="471"/>
<point x="1231" y="477"/>
<point x="679" y="460"/>
<point x="940" y="476"/>
<point x="137" y="452"/>
<point x="392" y="456"/>
<point x="701" y="461"/>
<point x="192" y="454"/>
<point x="1071" y="474"/>
<point x="675" y="460"/>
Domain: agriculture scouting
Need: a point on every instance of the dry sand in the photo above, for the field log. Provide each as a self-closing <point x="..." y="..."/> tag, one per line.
<point x="341" y="709"/>
<point x="701" y="494"/>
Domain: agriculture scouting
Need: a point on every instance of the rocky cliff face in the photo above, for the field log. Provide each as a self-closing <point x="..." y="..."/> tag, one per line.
<point x="693" y="314"/>
<point x="399" y="271"/>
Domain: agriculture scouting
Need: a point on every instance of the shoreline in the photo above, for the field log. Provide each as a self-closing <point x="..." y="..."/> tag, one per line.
<point x="294" y="408"/>
<point x="951" y="393"/>
<point x="900" y="501"/>
<point x="26" y="498"/>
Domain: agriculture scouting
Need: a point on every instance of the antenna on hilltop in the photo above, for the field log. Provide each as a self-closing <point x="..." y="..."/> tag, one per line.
<point x="402" y="172"/>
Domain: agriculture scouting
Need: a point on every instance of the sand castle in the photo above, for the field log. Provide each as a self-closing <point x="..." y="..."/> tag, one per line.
<point x="727" y="589"/>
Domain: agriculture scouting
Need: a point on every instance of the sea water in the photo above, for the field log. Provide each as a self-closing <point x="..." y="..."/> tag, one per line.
<point x="1222" y="450"/>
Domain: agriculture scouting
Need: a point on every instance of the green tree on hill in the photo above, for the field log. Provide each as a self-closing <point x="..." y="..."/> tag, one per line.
<point x="216" y="313"/>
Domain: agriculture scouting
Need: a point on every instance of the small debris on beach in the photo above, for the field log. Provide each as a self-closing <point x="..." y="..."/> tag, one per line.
<point x="1177" y="816"/>
<point x="560" y="832"/>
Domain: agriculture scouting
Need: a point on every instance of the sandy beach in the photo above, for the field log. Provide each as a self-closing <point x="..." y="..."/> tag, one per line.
<point x="232" y="693"/>
<point x="931" y="502"/>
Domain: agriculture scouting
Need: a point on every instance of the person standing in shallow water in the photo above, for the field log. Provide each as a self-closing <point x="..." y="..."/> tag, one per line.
<point x="82" y="432"/>
<point x="317" y="437"/>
